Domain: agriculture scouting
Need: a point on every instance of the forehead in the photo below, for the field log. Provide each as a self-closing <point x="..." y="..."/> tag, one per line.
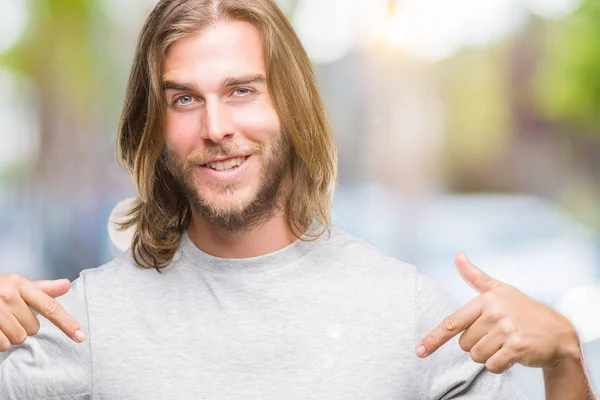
<point x="225" y="49"/>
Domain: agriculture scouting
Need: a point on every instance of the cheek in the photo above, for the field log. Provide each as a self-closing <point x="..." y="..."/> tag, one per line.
<point x="180" y="132"/>
<point x="258" y="125"/>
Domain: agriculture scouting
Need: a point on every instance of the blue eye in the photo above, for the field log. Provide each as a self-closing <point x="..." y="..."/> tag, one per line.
<point x="242" y="91"/>
<point x="184" y="100"/>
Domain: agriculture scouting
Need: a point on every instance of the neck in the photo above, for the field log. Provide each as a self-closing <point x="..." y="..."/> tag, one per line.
<point x="266" y="238"/>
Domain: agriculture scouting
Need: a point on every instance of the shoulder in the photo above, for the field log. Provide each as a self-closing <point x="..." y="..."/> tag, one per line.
<point x="121" y="267"/>
<point x="344" y="246"/>
<point x="351" y="257"/>
<point x="121" y="276"/>
<point x="370" y="265"/>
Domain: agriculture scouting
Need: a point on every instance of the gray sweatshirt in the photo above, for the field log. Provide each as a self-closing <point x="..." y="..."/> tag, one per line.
<point x="328" y="319"/>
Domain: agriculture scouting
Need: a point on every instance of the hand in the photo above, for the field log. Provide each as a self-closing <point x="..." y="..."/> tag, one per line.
<point x="17" y="320"/>
<point x="502" y="326"/>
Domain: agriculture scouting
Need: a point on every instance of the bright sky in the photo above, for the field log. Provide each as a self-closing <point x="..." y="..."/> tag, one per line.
<point x="427" y="29"/>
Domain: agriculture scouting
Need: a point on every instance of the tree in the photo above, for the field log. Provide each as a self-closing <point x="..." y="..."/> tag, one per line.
<point x="568" y="88"/>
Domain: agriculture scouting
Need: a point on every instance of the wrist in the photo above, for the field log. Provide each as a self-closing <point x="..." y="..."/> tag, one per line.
<point x="568" y="354"/>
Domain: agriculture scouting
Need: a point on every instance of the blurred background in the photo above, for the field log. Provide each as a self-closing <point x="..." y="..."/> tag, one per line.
<point x="462" y="125"/>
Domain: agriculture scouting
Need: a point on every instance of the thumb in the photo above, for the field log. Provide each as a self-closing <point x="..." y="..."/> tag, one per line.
<point x="53" y="288"/>
<point x="478" y="279"/>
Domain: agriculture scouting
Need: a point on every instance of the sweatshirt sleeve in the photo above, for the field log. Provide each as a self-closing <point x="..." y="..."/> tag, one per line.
<point x="450" y="373"/>
<point x="50" y="365"/>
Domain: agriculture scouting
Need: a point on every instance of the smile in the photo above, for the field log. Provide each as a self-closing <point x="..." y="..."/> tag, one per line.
<point x="228" y="169"/>
<point x="228" y="164"/>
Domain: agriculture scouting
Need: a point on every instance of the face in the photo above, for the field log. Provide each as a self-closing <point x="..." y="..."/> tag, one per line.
<point x="224" y="142"/>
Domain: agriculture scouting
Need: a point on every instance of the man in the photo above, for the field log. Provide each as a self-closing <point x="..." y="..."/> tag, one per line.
<point x="236" y="286"/>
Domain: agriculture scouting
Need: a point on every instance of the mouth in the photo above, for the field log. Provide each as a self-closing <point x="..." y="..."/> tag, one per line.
<point x="226" y="170"/>
<point x="228" y="164"/>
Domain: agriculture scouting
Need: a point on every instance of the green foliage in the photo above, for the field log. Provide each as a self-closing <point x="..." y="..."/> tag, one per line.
<point x="57" y="49"/>
<point x="568" y="85"/>
<point x="475" y="91"/>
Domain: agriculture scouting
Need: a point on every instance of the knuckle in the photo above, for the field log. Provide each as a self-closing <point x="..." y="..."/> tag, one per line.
<point x="14" y="278"/>
<point x="432" y="339"/>
<point x="450" y="324"/>
<point x="428" y="343"/>
<point x="4" y="345"/>
<point x="506" y="327"/>
<point x="33" y="328"/>
<point x="494" y="368"/>
<point x="464" y="343"/>
<point x="476" y="356"/>
<point x="7" y="294"/>
<point x="20" y="338"/>
<point x="67" y="324"/>
<point x="51" y="307"/>
<point x="516" y="343"/>
<point x="496" y="315"/>
<point x="9" y="290"/>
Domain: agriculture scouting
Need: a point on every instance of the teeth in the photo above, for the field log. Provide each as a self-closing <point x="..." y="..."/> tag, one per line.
<point x="227" y="164"/>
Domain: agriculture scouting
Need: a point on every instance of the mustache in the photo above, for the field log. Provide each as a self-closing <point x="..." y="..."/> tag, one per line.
<point x="203" y="157"/>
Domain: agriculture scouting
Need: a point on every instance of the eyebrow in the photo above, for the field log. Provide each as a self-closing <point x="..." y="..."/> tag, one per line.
<point x="186" y="87"/>
<point x="227" y="82"/>
<point x="244" y="80"/>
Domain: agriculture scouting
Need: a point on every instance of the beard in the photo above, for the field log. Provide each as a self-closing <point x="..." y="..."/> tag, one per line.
<point x="274" y="161"/>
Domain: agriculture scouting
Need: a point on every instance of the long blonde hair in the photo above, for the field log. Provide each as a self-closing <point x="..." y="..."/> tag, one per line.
<point x="162" y="212"/>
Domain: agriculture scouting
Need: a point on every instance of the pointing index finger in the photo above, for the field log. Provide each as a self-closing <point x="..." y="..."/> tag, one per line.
<point x="451" y="326"/>
<point x="51" y="309"/>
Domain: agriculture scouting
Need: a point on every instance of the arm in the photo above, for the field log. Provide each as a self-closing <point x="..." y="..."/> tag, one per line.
<point x="567" y="380"/>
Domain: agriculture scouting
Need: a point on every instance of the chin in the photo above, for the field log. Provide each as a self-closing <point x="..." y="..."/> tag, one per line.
<point x="228" y="203"/>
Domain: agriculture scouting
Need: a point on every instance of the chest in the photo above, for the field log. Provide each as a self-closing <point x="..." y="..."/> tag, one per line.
<point x="212" y="353"/>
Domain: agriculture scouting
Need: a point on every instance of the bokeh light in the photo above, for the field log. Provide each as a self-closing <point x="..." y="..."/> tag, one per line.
<point x="13" y="22"/>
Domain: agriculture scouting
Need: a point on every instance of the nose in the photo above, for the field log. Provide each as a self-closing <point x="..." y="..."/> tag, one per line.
<point x="218" y="123"/>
